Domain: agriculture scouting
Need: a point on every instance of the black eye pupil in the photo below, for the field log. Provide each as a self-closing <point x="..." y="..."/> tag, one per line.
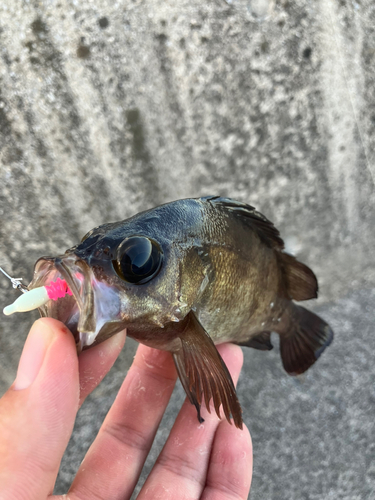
<point x="138" y="259"/>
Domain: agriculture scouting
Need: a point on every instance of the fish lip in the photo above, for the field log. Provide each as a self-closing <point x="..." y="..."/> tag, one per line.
<point x="58" y="264"/>
<point x="77" y="311"/>
<point x="47" y="269"/>
<point x="87" y="322"/>
<point x="65" y="272"/>
<point x="94" y="311"/>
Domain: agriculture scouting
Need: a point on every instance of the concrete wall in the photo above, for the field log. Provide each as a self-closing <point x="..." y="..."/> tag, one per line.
<point x="111" y="107"/>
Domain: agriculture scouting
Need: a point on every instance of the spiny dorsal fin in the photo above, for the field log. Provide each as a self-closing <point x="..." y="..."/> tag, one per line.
<point x="251" y="217"/>
<point x="300" y="280"/>
<point x="203" y="373"/>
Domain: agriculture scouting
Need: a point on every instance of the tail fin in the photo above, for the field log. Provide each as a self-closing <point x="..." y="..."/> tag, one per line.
<point x="305" y="341"/>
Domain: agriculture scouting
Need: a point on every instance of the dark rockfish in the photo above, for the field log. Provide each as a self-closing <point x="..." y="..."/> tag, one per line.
<point x="183" y="277"/>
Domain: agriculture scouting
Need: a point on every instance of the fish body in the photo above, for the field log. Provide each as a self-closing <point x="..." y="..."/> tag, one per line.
<point x="183" y="277"/>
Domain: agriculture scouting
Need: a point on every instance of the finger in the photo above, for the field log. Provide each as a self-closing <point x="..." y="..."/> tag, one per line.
<point x="231" y="463"/>
<point x="96" y="362"/>
<point x="183" y="463"/>
<point x="37" y="413"/>
<point x="113" y="463"/>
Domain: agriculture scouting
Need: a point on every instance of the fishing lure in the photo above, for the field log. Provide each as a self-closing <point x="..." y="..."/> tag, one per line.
<point x="33" y="299"/>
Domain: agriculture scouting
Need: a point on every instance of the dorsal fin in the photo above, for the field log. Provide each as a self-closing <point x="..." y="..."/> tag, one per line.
<point x="301" y="282"/>
<point x="251" y="217"/>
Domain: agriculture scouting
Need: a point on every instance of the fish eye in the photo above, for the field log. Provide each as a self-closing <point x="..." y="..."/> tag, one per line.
<point x="138" y="259"/>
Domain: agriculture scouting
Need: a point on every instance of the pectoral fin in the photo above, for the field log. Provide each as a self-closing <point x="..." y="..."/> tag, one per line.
<point x="203" y="373"/>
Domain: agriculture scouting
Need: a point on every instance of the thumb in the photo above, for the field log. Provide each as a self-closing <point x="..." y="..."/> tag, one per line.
<point x="37" y="413"/>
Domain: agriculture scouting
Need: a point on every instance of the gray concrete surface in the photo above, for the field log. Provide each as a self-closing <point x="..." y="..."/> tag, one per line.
<point x="111" y="107"/>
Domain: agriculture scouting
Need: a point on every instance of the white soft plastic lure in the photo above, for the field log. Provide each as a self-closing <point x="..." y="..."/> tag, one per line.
<point x="37" y="297"/>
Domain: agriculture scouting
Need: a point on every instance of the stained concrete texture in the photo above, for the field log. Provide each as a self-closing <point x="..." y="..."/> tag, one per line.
<point x="111" y="107"/>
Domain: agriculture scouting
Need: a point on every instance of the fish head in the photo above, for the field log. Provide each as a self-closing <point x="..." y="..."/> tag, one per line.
<point x="121" y="275"/>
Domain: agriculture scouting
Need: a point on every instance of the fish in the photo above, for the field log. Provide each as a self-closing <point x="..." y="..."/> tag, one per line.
<point x="184" y="277"/>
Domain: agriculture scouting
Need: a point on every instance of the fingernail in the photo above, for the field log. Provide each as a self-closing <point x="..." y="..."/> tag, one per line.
<point x="33" y="354"/>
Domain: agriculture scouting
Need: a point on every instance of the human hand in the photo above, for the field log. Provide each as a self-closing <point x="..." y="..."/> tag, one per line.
<point x="210" y="461"/>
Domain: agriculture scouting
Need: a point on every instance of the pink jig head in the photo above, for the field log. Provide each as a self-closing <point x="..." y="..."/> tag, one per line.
<point x="39" y="296"/>
<point x="58" y="289"/>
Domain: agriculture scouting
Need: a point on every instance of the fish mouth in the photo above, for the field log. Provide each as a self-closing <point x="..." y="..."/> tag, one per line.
<point x="93" y="311"/>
